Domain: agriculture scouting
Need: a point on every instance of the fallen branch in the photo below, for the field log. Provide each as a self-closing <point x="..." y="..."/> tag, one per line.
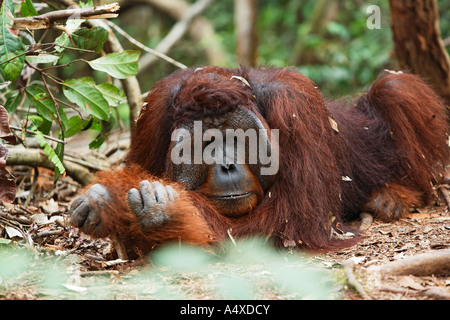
<point x="366" y="220"/>
<point x="426" y="264"/>
<point x="91" y="164"/>
<point x="37" y="158"/>
<point x="20" y="219"/>
<point x="47" y="20"/>
<point x="351" y="279"/>
<point x="432" y="292"/>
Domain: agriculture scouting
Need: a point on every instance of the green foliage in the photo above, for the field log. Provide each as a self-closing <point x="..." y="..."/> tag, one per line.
<point x="94" y="38"/>
<point x="49" y="152"/>
<point x="13" y="101"/>
<point x="344" y="57"/>
<point x="12" y="49"/>
<point x="23" y="269"/>
<point x="248" y="269"/>
<point x="118" y="65"/>
<point x="42" y="101"/>
<point x="85" y="95"/>
<point x="13" y="262"/>
<point x="27" y="9"/>
<point x="55" y="100"/>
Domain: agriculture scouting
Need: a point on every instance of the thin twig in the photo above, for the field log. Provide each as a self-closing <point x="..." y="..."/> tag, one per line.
<point x="43" y="74"/>
<point x="32" y="49"/>
<point x="46" y="234"/>
<point x="200" y="30"/>
<point x="33" y="187"/>
<point x="87" y="164"/>
<point x="20" y="219"/>
<point x="145" y="48"/>
<point x="70" y="106"/>
<point x="63" y="65"/>
<point x="50" y="76"/>
<point x="15" y="57"/>
<point x="58" y="116"/>
<point x="119" y="247"/>
<point x="30" y="131"/>
<point x="177" y="31"/>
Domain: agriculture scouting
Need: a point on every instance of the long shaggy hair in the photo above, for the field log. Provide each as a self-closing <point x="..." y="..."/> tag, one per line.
<point x="335" y="157"/>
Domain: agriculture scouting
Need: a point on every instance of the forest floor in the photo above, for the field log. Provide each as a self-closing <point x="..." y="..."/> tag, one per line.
<point x="90" y="269"/>
<point x="420" y="234"/>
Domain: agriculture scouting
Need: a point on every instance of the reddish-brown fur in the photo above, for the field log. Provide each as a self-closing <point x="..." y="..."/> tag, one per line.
<point x="391" y="143"/>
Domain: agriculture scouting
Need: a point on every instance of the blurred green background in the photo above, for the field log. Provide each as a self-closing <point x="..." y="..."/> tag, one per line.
<point x="341" y="55"/>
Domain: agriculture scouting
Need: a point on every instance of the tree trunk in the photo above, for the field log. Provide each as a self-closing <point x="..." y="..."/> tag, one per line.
<point x="245" y="13"/>
<point x="418" y="44"/>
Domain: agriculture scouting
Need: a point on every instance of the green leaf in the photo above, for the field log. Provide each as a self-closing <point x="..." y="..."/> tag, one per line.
<point x="42" y="58"/>
<point x="40" y="123"/>
<point x="42" y="101"/>
<point x="87" y="4"/>
<point x="27" y="9"/>
<point x="93" y="124"/>
<point x="98" y="141"/>
<point x="11" y="47"/>
<point x="49" y="151"/>
<point x="6" y="15"/>
<point x="13" y="101"/>
<point x="36" y="120"/>
<point x="63" y="40"/>
<point x="118" y="65"/>
<point x="83" y="93"/>
<point x="45" y="105"/>
<point x="73" y="24"/>
<point x="45" y="127"/>
<point x="111" y="93"/>
<point x="105" y="131"/>
<point x="74" y="126"/>
<point x="94" y="38"/>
